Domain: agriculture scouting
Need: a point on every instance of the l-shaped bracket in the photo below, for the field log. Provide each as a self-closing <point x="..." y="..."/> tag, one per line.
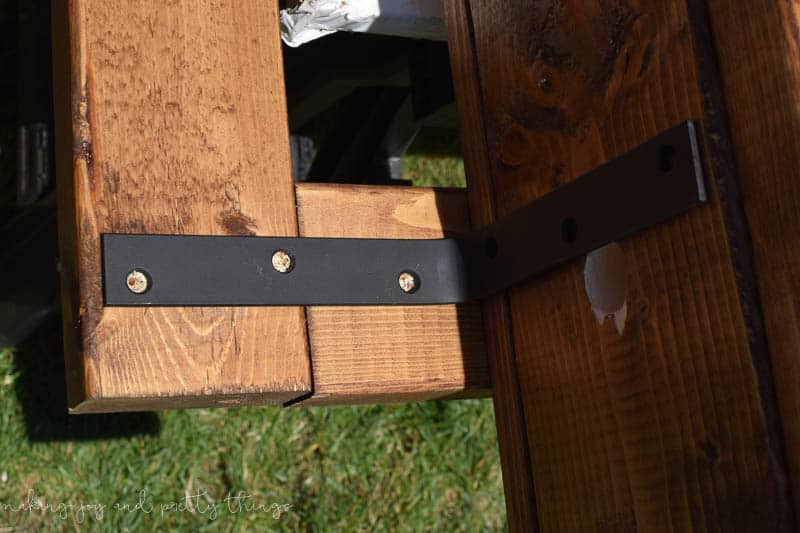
<point x="650" y="184"/>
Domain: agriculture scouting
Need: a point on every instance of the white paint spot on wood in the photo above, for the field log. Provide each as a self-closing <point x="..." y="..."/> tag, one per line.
<point x="606" y="279"/>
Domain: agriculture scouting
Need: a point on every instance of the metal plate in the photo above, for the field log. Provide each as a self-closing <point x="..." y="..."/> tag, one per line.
<point x="648" y="185"/>
<point x="219" y="271"/>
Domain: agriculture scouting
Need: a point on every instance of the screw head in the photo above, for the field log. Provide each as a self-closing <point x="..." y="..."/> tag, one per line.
<point x="407" y="282"/>
<point x="137" y="282"/>
<point x="282" y="261"/>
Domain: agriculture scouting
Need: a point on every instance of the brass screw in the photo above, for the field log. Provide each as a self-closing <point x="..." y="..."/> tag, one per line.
<point x="282" y="262"/>
<point x="408" y="282"/>
<point x="137" y="282"/>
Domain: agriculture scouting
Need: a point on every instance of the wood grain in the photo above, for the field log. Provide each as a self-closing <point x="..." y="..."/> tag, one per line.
<point x="172" y="119"/>
<point x="662" y="426"/>
<point x="507" y="399"/>
<point x="391" y="354"/>
<point x="759" y="65"/>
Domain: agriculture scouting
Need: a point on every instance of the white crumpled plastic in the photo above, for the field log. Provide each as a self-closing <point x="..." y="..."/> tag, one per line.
<point x="312" y="19"/>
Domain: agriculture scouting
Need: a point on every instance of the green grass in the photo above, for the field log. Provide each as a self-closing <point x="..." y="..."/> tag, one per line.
<point x="434" y="160"/>
<point x="408" y="467"/>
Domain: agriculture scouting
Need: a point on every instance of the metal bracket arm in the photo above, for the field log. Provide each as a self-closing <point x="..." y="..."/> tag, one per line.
<point x="644" y="187"/>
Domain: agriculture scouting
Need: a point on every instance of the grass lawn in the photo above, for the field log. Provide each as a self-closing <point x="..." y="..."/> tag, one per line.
<point x="425" y="466"/>
<point x="434" y="160"/>
<point x="411" y="467"/>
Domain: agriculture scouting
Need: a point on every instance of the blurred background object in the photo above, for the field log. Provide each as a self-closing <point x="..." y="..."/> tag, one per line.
<point x="306" y="20"/>
<point x="28" y="276"/>
<point x="358" y="101"/>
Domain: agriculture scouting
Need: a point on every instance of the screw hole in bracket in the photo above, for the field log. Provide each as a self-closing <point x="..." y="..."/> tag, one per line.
<point x="666" y="158"/>
<point x="569" y="230"/>
<point x="491" y="247"/>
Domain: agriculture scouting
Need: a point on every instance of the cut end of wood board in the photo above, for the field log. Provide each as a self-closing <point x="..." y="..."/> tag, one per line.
<point x="196" y="401"/>
<point x="396" y="353"/>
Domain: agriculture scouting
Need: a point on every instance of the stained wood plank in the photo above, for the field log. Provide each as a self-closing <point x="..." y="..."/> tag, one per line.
<point x="759" y="65"/>
<point x="507" y="399"/>
<point x="391" y="354"/>
<point x="171" y="118"/>
<point x="663" y="425"/>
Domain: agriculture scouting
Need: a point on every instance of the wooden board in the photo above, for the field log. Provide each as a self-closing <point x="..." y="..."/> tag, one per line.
<point x="171" y="118"/>
<point x="665" y="425"/>
<point x="508" y="405"/>
<point x="759" y="67"/>
<point x="391" y="354"/>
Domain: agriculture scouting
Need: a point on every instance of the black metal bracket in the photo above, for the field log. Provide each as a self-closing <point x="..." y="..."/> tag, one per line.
<point x="644" y="187"/>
